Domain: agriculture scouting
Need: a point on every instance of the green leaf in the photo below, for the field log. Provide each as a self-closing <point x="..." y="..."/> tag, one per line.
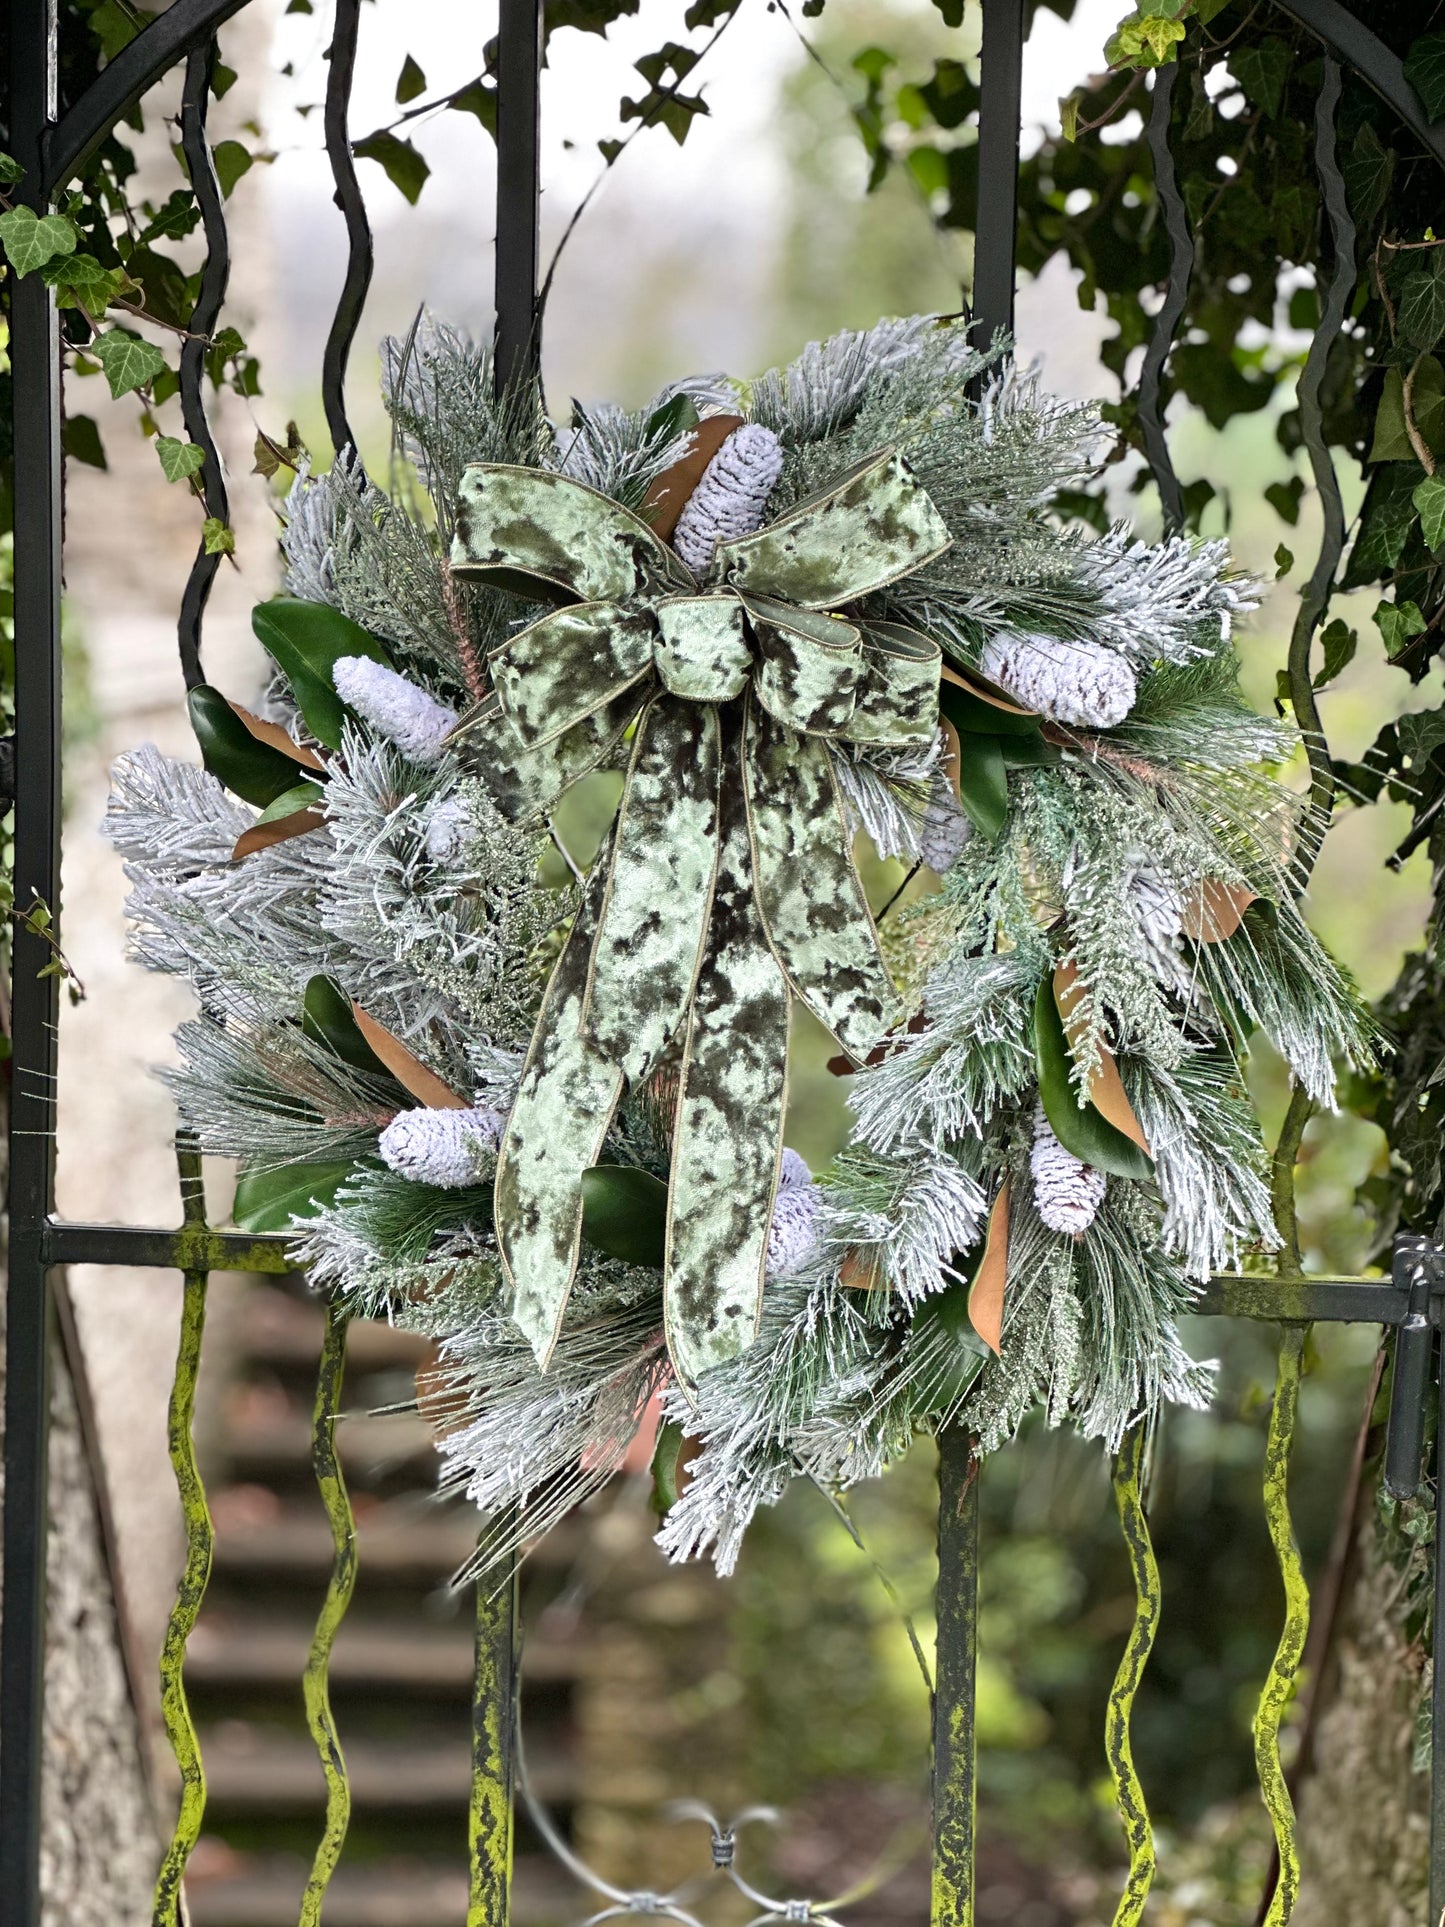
<point x="1429" y="499"/>
<point x="665" y="1457"/>
<point x="410" y="82"/>
<point x="1338" y="641"/>
<point x="326" y="1019"/>
<point x="624" y="1213"/>
<point x="1262" y="71"/>
<point x="1386" y="521"/>
<point x="1283" y="562"/>
<point x="10" y="170"/>
<point x="268" y="1200"/>
<point x="174" y="219"/>
<point x="674" y="418"/>
<point x="253" y="771"/>
<point x="1284" y="498"/>
<point x="1421" y="315"/>
<point x="231" y="159"/>
<point x="1397" y="622"/>
<point x="80" y="438"/>
<point x="952" y="11"/>
<point x="969" y="712"/>
<point x="1082" y="1129"/>
<point x="1425" y="71"/>
<point x="1368" y="169"/>
<point x="179" y="460"/>
<point x="217" y="536"/>
<point x="1206" y="10"/>
<point x="1391" y="442"/>
<point x="81" y="282"/>
<point x="129" y="362"/>
<point x="1069" y="117"/>
<point x="306" y="640"/>
<point x="404" y="167"/>
<point x="479" y="99"/>
<point x="304" y="796"/>
<point x="32" y="239"/>
<point x="983" y="783"/>
<point x="114" y="26"/>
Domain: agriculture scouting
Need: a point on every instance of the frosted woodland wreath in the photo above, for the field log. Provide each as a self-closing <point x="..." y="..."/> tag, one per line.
<point x="546" y="1128"/>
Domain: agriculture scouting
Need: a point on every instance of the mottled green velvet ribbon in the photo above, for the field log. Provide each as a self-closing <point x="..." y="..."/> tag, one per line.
<point x="728" y="879"/>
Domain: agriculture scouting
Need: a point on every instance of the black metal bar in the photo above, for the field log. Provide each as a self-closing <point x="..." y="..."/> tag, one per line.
<point x="519" y="70"/>
<point x="195" y="99"/>
<point x="995" y="246"/>
<point x="955" y="1762"/>
<point x="1176" y="294"/>
<point x="1413" y="1275"/>
<point x="185" y="24"/>
<point x="35" y="365"/>
<point x="192" y="1248"/>
<point x="347" y="319"/>
<point x="1352" y="41"/>
<point x="1437" y="1684"/>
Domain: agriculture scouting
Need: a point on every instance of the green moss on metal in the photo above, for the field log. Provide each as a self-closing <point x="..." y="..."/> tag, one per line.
<point x="489" y="1902"/>
<point x="955" y="1737"/>
<point x="1129" y="1791"/>
<point x="1279" y="1687"/>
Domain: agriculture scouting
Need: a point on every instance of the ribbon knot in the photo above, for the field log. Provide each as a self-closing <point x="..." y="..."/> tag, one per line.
<point x="728" y="876"/>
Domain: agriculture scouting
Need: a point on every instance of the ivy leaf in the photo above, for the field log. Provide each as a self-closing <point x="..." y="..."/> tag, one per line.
<point x="175" y="218"/>
<point x="1262" y="72"/>
<point x="1425" y="71"/>
<point x="129" y="362"/>
<point x="10" y="170"/>
<point x="1338" y="642"/>
<point x="1368" y="169"/>
<point x="410" y="82"/>
<point x="217" y="537"/>
<point x="1069" y="117"/>
<point x="179" y="460"/>
<point x="1421" y="314"/>
<point x="80" y="438"/>
<point x="32" y="239"/>
<point x="1284" y="498"/>
<point x="624" y="1213"/>
<point x="1391" y="443"/>
<point x="231" y="159"/>
<point x="404" y="167"/>
<point x="1283" y="562"/>
<point x="81" y="282"/>
<point x="479" y="99"/>
<point x="1397" y="623"/>
<point x="952" y="11"/>
<point x="1429" y="499"/>
<point x="1385" y="524"/>
<point x="114" y="26"/>
<point x="273" y="456"/>
<point x="1145" y="39"/>
<point x="268" y="1200"/>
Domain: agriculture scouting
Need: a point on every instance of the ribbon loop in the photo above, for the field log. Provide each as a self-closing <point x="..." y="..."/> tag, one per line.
<point x="898" y="694"/>
<point x="568" y="665"/>
<point x="808" y="666"/>
<point x="542" y="535"/>
<point x="701" y="651"/>
<point x="865" y="530"/>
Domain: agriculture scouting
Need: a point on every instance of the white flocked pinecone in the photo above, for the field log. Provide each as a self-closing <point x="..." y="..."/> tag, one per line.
<point x="442" y="1147"/>
<point x="406" y="715"/>
<point x="943" y="829"/>
<point x="794" y="1230"/>
<point x="1067" y="1193"/>
<point x="732" y="497"/>
<point x="1155" y="903"/>
<point x="1076" y="682"/>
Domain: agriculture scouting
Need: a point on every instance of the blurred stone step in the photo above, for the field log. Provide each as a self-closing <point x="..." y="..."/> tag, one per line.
<point x="254" y="1772"/>
<point x="255" y="1890"/>
<point x="391" y="1657"/>
<point x="265" y="1438"/>
<point x="285" y="1333"/>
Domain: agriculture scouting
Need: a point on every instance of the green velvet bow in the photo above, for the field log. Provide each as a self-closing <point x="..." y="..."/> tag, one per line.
<point x="728" y="875"/>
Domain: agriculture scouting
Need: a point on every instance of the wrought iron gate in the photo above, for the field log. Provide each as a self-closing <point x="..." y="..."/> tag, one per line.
<point x="52" y="147"/>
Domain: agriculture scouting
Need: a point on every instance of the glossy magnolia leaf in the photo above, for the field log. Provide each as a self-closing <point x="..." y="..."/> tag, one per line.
<point x="986" y="1292"/>
<point x="1082" y="1129"/>
<point x="983" y="783"/>
<point x="624" y="1213"/>
<point x="405" y="1066"/>
<point x="253" y="770"/>
<point x="294" y="813"/>
<point x="306" y="640"/>
<point x="666" y="1466"/>
<point x="674" y="418"/>
<point x="272" y="733"/>
<point x="129" y="362"/>
<point x="971" y="704"/>
<point x="1106" y="1087"/>
<point x="32" y="239"/>
<point x="268" y="1200"/>
<point x="326" y="1019"/>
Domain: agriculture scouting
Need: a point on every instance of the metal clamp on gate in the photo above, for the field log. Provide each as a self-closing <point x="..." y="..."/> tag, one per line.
<point x="1418" y="1268"/>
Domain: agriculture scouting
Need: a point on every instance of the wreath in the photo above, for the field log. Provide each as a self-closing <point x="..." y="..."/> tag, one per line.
<point x="539" y="1114"/>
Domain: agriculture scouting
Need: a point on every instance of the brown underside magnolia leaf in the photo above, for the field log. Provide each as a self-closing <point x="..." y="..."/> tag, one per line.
<point x="438" y="1398"/>
<point x="986" y="1293"/>
<point x="1215" y="910"/>
<point x="276" y="737"/>
<point x="408" y="1070"/>
<point x="262" y="836"/>
<point x="953" y="753"/>
<point x="665" y="501"/>
<point x="1106" y="1089"/>
<point x="985" y="692"/>
<point x="859" y="1273"/>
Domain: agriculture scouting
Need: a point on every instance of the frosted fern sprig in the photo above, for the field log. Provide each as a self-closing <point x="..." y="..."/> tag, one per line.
<point x="397" y="709"/>
<point x="793" y="1234"/>
<point x="1070" y="682"/>
<point x="446" y="1148"/>
<point x="732" y="496"/>
<point x="1067" y="1192"/>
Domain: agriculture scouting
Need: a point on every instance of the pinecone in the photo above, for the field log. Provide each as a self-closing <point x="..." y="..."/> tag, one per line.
<point x="444" y="1148"/>
<point x="793" y="1232"/>
<point x="944" y="828"/>
<point x="1081" y="683"/>
<point x="732" y="496"/>
<point x="397" y="709"/>
<point x="449" y="829"/>
<point x="1067" y="1193"/>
